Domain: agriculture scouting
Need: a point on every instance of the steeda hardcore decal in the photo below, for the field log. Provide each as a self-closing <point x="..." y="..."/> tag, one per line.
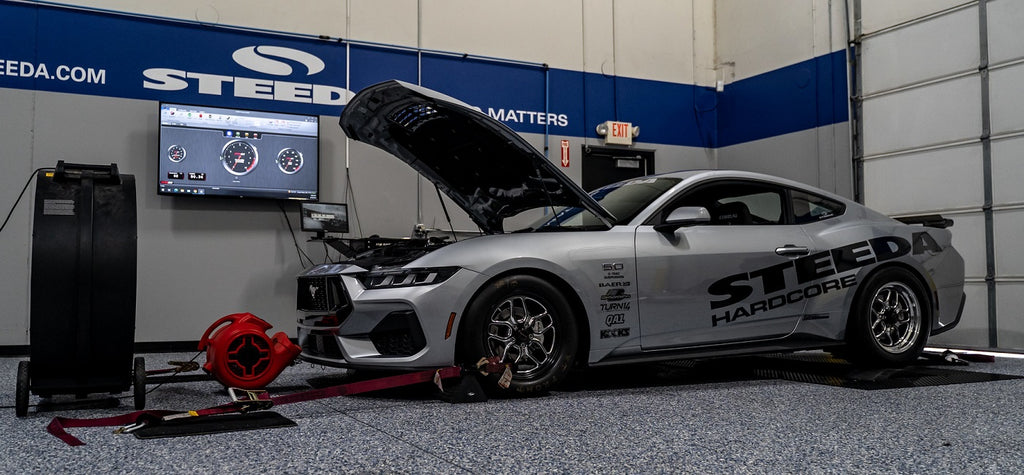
<point x="784" y="283"/>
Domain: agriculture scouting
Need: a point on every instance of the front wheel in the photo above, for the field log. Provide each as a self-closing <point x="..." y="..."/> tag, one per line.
<point x="890" y="320"/>
<point x="524" y="321"/>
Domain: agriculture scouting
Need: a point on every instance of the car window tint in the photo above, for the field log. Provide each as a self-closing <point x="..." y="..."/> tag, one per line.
<point x="764" y="208"/>
<point x="737" y="203"/>
<point x="624" y="200"/>
<point x="808" y="208"/>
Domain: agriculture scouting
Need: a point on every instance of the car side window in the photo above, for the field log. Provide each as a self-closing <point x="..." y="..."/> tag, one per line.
<point x="808" y="208"/>
<point x="735" y="203"/>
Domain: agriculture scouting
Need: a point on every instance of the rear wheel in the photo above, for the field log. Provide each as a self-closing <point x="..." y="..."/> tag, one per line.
<point x="890" y="320"/>
<point x="525" y="322"/>
<point x="21" y="396"/>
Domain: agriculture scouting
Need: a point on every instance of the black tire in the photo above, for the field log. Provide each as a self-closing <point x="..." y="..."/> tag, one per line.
<point x="526" y="320"/>
<point x="139" y="384"/>
<point x="21" y="396"/>
<point x="890" y="320"/>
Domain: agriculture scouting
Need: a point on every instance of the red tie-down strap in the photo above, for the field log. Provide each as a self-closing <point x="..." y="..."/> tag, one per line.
<point x="58" y="425"/>
<point x="255" y="400"/>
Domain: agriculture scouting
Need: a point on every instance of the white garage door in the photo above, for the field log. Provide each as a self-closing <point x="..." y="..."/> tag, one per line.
<point x="941" y="101"/>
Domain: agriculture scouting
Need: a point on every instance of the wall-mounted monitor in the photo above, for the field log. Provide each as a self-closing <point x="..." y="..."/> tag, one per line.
<point x="216" y="151"/>
<point x="324" y="217"/>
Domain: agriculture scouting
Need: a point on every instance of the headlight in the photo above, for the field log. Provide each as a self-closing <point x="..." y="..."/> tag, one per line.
<point x="393" y="278"/>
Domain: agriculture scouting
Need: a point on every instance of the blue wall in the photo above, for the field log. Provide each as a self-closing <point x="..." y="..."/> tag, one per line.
<point x="48" y="48"/>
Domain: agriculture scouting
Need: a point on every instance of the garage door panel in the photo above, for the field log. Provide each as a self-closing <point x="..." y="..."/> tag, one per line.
<point x="969" y="239"/>
<point x="934" y="114"/>
<point x="1009" y="230"/>
<point x="921" y="117"/>
<point x="1008" y="171"/>
<point x="907" y="183"/>
<point x="1009" y="302"/>
<point x="1008" y="111"/>
<point x="1005" y="23"/>
<point x="932" y="49"/>
<point x="880" y="14"/>
<point x="972" y="331"/>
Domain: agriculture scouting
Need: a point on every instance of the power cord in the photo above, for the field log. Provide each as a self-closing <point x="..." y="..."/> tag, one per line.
<point x="298" y="249"/>
<point x="15" y="205"/>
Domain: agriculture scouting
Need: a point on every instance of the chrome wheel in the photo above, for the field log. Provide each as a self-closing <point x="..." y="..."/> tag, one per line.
<point x="522" y="332"/>
<point x="895" y="317"/>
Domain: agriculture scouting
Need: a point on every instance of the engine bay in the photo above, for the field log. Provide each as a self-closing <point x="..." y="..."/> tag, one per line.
<point x="375" y="252"/>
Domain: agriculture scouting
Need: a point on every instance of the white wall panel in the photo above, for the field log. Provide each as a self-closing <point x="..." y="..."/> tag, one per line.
<point x="881" y="14"/>
<point x="904" y="184"/>
<point x="651" y="39"/>
<point x="1010" y="316"/>
<point x="830" y="26"/>
<point x="314" y="17"/>
<point x="1005" y="24"/>
<point x="1008" y="111"/>
<point x="654" y="39"/>
<point x="705" y="54"/>
<point x="938" y="113"/>
<point x="1009" y="230"/>
<point x="598" y="46"/>
<point x="935" y="48"/>
<point x="756" y="37"/>
<point x="385" y="190"/>
<point x="972" y="331"/>
<point x="16" y="134"/>
<point x="1008" y="171"/>
<point x="392" y="22"/>
<point x="527" y="30"/>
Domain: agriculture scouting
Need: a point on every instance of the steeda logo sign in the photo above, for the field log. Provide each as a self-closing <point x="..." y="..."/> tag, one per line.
<point x="262" y="59"/>
<point x="254" y="58"/>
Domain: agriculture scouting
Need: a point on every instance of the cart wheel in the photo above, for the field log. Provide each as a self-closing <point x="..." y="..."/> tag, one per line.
<point x="140" y="383"/>
<point x="21" y="399"/>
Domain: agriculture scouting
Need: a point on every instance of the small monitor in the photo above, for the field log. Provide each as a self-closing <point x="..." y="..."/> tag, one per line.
<point x="219" y="151"/>
<point x="324" y="217"/>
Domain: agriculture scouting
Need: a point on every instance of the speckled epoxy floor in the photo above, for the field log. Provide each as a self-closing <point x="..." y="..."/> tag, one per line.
<point x="648" y="418"/>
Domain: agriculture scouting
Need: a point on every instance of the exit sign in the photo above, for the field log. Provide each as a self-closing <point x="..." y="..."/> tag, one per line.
<point x="619" y="133"/>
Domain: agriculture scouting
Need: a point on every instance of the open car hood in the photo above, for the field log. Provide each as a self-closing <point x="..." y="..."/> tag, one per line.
<point x="481" y="164"/>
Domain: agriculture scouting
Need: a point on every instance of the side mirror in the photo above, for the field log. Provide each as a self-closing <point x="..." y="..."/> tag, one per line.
<point x="684" y="216"/>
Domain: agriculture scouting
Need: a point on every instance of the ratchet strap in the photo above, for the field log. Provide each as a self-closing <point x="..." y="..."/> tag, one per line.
<point x="254" y="400"/>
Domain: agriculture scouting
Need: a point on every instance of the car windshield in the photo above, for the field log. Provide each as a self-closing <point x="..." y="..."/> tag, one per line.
<point x="624" y="200"/>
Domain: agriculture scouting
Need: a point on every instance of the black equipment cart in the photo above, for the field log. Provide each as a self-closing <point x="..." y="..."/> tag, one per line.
<point x="82" y="324"/>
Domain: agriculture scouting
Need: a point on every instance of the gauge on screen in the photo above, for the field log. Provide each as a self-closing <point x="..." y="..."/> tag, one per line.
<point x="289" y="160"/>
<point x="238" y="157"/>
<point x="176" y="153"/>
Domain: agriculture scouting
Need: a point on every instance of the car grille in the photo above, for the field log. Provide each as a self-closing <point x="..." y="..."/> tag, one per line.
<point x="321" y="294"/>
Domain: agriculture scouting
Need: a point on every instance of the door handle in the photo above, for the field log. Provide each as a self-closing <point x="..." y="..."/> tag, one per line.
<point x="791" y="250"/>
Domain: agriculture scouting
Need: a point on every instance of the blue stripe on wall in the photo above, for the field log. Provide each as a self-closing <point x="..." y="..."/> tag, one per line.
<point x="801" y="96"/>
<point x="530" y="99"/>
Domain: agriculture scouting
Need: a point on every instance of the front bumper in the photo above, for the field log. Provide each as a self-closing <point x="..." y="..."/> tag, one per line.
<point x="343" y="324"/>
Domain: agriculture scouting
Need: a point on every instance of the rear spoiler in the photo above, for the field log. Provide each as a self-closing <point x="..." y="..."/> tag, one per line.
<point x="930" y="220"/>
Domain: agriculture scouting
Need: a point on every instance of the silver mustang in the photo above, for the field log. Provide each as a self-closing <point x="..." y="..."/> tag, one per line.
<point x="679" y="265"/>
